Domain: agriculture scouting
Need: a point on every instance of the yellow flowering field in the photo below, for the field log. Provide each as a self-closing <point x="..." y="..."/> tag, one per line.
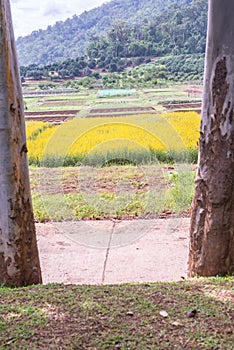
<point x="80" y="136"/>
<point x="34" y="127"/>
<point x="36" y="145"/>
<point x="187" y="124"/>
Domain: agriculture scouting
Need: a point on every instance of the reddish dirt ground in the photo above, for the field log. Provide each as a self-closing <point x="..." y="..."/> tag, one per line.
<point x="108" y="180"/>
<point x="50" y="119"/>
<point x="51" y="116"/>
<point x="183" y="105"/>
<point x="45" y="113"/>
<point x="119" y="114"/>
<point x="121" y="109"/>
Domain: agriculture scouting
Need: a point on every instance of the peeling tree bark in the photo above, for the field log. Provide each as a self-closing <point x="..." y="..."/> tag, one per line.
<point x="212" y="222"/>
<point x="19" y="262"/>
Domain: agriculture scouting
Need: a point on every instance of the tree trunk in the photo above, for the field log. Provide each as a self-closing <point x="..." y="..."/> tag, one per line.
<point x="19" y="262"/>
<point x="212" y="223"/>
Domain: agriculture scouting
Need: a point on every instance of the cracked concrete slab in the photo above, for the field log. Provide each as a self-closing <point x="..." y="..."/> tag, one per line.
<point x="160" y="254"/>
<point x="93" y="252"/>
<point x="91" y="234"/>
<point x="64" y="260"/>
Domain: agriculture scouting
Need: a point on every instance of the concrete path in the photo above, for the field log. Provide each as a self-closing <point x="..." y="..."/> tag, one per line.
<point x="93" y="252"/>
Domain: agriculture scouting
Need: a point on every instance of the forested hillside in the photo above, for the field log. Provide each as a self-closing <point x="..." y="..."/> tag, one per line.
<point x="178" y="34"/>
<point x="176" y="31"/>
<point x="70" y="39"/>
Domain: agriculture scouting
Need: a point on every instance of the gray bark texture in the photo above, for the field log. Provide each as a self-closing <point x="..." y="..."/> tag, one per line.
<point x="212" y="222"/>
<point x="19" y="261"/>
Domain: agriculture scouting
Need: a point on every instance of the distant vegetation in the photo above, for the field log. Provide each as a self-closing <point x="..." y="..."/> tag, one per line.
<point x="142" y="73"/>
<point x="176" y="31"/>
<point x="69" y="39"/>
<point x="173" y="36"/>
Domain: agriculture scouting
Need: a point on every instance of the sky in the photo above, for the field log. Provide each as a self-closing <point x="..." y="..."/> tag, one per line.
<point x="29" y="15"/>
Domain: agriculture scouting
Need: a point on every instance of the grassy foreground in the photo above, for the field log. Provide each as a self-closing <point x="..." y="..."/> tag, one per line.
<point x="190" y="314"/>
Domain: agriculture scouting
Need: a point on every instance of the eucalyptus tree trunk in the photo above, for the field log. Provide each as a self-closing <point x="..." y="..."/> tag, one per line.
<point x="212" y="223"/>
<point x="19" y="262"/>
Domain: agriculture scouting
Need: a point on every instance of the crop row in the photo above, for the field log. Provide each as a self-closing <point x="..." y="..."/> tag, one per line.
<point x="129" y="137"/>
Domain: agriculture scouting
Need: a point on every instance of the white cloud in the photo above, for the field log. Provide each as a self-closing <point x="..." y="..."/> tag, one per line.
<point x="29" y="15"/>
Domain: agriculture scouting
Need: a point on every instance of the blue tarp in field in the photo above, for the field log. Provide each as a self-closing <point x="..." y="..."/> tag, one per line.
<point x="115" y="92"/>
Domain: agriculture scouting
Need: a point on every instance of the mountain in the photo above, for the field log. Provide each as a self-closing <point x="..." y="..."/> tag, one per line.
<point x="70" y="38"/>
<point x="175" y="31"/>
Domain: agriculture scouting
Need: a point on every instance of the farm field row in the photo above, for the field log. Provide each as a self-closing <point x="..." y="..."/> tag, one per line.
<point x="130" y="137"/>
<point x="88" y="100"/>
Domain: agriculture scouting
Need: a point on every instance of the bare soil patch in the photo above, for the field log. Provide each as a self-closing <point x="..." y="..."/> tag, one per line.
<point x="158" y="91"/>
<point x="120" y="109"/>
<point x="113" y="115"/>
<point x="46" y="113"/>
<point x="62" y="103"/>
<point x="56" y="119"/>
<point x="106" y="180"/>
<point x="193" y="89"/>
<point x="51" y="116"/>
<point x="196" y="105"/>
<point x="188" y="110"/>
